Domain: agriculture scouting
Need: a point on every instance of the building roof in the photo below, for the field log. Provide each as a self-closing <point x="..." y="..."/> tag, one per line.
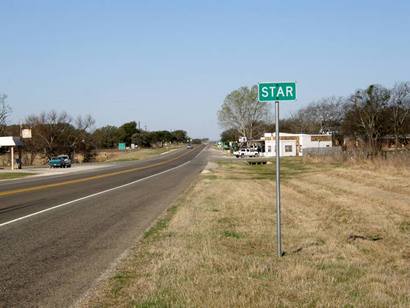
<point x="291" y="134"/>
<point x="282" y="134"/>
<point x="10" y="142"/>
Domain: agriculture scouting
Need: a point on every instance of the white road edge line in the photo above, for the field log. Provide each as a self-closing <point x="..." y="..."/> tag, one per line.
<point x="99" y="193"/>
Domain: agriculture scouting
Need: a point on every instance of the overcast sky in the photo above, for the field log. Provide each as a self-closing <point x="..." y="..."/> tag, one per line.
<point x="169" y="64"/>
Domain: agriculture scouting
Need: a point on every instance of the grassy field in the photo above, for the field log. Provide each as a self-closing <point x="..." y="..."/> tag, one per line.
<point x="13" y="175"/>
<point x="114" y="156"/>
<point x="346" y="237"/>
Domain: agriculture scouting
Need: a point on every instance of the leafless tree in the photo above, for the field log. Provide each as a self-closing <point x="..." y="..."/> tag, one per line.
<point x="328" y="112"/>
<point x="5" y="111"/>
<point x="322" y="116"/>
<point x="368" y="105"/>
<point x="399" y="105"/>
<point x="85" y="123"/>
<point x="83" y="128"/>
<point x="242" y="111"/>
<point x="49" y="131"/>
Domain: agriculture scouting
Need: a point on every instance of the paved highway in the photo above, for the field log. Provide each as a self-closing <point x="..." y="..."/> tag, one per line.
<point x="59" y="234"/>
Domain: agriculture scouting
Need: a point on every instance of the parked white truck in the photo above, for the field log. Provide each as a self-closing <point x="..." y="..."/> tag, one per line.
<point x="248" y="152"/>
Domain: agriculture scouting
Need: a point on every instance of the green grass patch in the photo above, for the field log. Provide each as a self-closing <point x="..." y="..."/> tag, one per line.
<point x="166" y="298"/>
<point x="119" y="281"/>
<point x="155" y="302"/>
<point x="404" y="226"/>
<point x="161" y="224"/>
<point x="158" y="227"/>
<point x="233" y="234"/>
<point x="14" y="175"/>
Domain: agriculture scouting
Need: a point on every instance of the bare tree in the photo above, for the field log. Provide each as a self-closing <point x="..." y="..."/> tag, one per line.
<point x="368" y="105"/>
<point x="83" y="128"/>
<point x="242" y="111"/>
<point x="56" y="133"/>
<point x="49" y="132"/>
<point x="329" y="113"/>
<point x="322" y="116"/>
<point x="5" y="111"/>
<point x="399" y="105"/>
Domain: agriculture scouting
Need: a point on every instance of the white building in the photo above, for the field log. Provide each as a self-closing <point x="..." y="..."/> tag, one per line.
<point x="293" y="144"/>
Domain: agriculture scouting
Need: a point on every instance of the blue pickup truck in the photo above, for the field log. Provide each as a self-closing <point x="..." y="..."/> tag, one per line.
<point x="61" y="161"/>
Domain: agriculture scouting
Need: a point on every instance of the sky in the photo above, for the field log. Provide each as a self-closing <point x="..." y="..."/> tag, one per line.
<point x="170" y="64"/>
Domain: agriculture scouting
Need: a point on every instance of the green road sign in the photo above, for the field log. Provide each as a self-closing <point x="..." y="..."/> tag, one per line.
<point x="276" y="91"/>
<point x="121" y="146"/>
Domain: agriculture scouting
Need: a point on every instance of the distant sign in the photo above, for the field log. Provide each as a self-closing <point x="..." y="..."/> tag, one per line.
<point x="26" y="133"/>
<point x="276" y="91"/>
<point x="121" y="146"/>
<point x="243" y="139"/>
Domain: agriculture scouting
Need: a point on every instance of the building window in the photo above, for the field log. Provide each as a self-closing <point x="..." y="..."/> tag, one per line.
<point x="288" y="148"/>
<point x="269" y="148"/>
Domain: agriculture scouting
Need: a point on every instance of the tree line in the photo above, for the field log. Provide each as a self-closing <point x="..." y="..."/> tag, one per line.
<point x="371" y="115"/>
<point x="109" y="136"/>
<point x="55" y="133"/>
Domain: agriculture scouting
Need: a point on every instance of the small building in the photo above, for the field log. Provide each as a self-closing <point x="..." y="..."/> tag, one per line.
<point x="11" y="143"/>
<point x="294" y="144"/>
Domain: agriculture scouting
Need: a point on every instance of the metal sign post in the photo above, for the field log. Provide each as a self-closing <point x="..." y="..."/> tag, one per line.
<point x="277" y="146"/>
<point x="275" y="92"/>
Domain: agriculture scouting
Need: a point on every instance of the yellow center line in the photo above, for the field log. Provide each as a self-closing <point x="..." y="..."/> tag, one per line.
<point x="95" y="177"/>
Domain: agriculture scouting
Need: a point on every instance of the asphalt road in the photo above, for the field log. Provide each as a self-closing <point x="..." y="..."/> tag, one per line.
<point x="59" y="234"/>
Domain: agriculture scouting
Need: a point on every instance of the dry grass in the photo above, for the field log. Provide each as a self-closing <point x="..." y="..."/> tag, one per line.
<point x="115" y="155"/>
<point x="387" y="159"/>
<point x="346" y="233"/>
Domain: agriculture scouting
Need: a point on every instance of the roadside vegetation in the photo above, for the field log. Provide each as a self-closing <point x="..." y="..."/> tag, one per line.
<point x="346" y="233"/>
<point x="13" y="175"/>
<point x="115" y="156"/>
